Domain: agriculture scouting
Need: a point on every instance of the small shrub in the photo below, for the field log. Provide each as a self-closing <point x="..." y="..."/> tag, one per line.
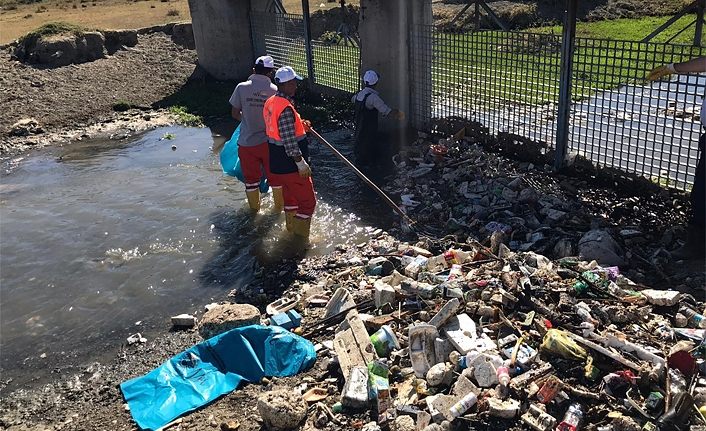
<point x="41" y="9"/>
<point x="172" y="12"/>
<point x="121" y="106"/>
<point x="185" y="118"/>
<point x="28" y="16"/>
<point x="168" y="136"/>
<point x="330" y="38"/>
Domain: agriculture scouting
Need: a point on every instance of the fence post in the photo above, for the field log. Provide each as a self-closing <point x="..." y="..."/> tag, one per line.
<point x="567" y="62"/>
<point x="700" y="6"/>
<point x="307" y="42"/>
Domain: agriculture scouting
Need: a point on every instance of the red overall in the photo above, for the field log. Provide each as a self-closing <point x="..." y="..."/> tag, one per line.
<point x="253" y="160"/>
<point x="298" y="192"/>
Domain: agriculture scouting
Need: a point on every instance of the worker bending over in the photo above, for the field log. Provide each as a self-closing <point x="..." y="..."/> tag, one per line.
<point x="696" y="241"/>
<point x="289" y="152"/>
<point x="369" y="149"/>
<point x="248" y="101"/>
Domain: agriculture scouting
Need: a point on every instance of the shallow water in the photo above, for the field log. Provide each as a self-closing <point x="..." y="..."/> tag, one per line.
<point x="103" y="239"/>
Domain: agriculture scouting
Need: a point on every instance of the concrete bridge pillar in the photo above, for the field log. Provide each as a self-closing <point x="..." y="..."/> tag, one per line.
<point x="222" y="36"/>
<point x="386" y="29"/>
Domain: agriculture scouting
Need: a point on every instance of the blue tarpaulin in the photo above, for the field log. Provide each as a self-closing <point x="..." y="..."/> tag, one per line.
<point x="230" y="162"/>
<point x="199" y="375"/>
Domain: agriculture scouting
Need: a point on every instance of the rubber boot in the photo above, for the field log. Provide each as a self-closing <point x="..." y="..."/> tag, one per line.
<point x="278" y="197"/>
<point x="253" y="199"/>
<point x="289" y="220"/>
<point x="302" y="227"/>
<point x="695" y="246"/>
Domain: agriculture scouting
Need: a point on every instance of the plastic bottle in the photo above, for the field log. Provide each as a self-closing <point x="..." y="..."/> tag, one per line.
<point x="572" y="419"/>
<point x="503" y="376"/>
<point x="456" y="272"/>
<point x="463" y="405"/>
<point x="695" y="320"/>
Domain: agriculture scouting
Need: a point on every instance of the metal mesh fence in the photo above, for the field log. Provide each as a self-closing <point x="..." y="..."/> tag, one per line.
<point x="336" y="65"/>
<point x="509" y="82"/>
<point x="282" y="36"/>
<point x="621" y="120"/>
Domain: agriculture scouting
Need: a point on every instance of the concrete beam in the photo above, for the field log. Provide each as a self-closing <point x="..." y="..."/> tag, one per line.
<point x="222" y="36"/>
<point x="385" y="27"/>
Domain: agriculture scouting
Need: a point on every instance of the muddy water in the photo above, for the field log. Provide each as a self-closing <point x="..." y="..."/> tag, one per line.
<point x="100" y="240"/>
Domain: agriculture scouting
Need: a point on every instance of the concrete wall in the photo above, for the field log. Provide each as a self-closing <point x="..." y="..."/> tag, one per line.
<point x="384" y="30"/>
<point x="222" y="36"/>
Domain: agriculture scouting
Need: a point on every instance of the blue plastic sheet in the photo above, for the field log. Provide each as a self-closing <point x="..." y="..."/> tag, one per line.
<point x="199" y="375"/>
<point x="230" y="162"/>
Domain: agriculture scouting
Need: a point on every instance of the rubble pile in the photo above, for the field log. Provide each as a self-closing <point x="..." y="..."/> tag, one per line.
<point x="441" y="334"/>
<point x="454" y="186"/>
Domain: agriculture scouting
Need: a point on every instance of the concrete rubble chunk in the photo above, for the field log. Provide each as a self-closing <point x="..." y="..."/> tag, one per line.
<point x="461" y="331"/>
<point x="224" y="317"/>
<point x="281" y="410"/>
<point x="183" y="321"/>
<point x="384" y="294"/>
<point x="666" y="298"/>
<point x="447" y="311"/>
<point x="340" y="301"/>
<point x="404" y="423"/>
<point x="352" y="345"/>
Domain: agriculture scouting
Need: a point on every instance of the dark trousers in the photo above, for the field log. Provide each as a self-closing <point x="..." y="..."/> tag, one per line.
<point x="698" y="191"/>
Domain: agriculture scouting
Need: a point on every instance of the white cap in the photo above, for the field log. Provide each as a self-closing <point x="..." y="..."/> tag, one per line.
<point x="370" y="77"/>
<point x="286" y="74"/>
<point x="265" y="61"/>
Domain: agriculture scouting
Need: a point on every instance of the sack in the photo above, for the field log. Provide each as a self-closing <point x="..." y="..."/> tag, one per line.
<point x="230" y="162"/>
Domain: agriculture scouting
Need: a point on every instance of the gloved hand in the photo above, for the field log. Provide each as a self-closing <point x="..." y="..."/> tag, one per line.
<point x="303" y="168"/>
<point x="307" y="125"/>
<point x="661" y="72"/>
<point x="397" y="114"/>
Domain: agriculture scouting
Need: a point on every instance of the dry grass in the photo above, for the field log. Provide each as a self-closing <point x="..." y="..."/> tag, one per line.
<point x="19" y="19"/>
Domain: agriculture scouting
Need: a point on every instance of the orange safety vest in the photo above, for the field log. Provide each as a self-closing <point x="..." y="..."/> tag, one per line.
<point x="273" y="109"/>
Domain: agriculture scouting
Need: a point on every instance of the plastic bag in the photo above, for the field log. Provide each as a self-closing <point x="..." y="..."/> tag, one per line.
<point x="199" y="375"/>
<point x="230" y="162"/>
<point x="559" y="343"/>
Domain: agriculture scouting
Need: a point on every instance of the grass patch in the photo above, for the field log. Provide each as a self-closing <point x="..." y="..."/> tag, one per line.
<point x="52" y="29"/>
<point x="207" y="99"/>
<point x="493" y="68"/>
<point x="168" y="136"/>
<point x="185" y="118"/>
<point x="631" y="29"/>
<point x="121" y="106"/>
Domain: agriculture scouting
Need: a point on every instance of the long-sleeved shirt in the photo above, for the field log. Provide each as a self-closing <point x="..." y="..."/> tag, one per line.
<point x="286" y="130"/>
<point x="374" y="101"/>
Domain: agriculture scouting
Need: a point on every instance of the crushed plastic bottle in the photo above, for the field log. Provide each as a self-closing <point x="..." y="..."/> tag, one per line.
<point x="572" y="419"/>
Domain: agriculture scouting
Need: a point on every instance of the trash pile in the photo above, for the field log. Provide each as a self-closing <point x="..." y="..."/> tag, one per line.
<point x="454" y="186"/>
<point x="445" y="335"/>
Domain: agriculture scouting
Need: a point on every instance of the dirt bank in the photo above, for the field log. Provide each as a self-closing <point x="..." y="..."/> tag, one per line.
<point x="71" y="98"/>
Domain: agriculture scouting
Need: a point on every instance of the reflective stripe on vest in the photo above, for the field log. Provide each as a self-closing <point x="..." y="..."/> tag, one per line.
<point x="274" y="106"/>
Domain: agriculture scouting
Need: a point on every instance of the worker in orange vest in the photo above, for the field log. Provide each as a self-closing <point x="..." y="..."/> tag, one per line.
<point x="289" y="152"/>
